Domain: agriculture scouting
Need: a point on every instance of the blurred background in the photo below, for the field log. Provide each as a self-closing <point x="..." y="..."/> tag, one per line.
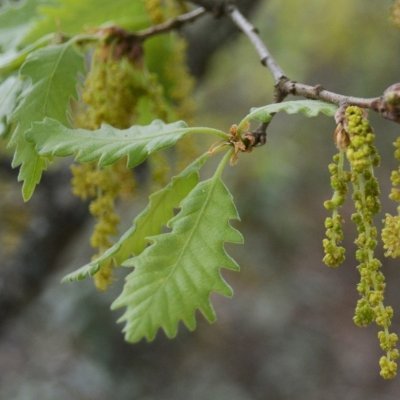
<point x="288" y="331"/>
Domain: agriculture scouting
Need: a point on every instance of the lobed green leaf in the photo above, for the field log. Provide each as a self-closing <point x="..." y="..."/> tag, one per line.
<point x="52" y="73"/>
<point x="176" y="274"/>
<point x="107" y="144"/>
<point x="149" y="222"/>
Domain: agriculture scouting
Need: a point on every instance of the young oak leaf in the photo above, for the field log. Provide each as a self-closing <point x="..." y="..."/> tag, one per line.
<point x="176" y="274"/>
<point x="148" y="223"/>
<point x="52" y="72"/>
<point x="310" y="108"/>
<point x="107" y="144"/>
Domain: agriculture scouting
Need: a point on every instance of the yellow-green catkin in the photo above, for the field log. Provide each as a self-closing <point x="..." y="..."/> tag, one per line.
<point x="362" y="157"/>
<point x="391" y="228"/>
<point x="182" y="88"/>
<point x="395" y="13"/>
<point x="111" y="92"/>
<point x="334" y="252"/>
<point x="120" y="90"/>
<point x="160" y="10"/>
<point x="155" y="11"/>
<point x="179" y="79"/>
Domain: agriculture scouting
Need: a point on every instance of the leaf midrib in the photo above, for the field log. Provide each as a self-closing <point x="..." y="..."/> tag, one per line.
<point x="50" y="81"/>
<point x="111" y="139"/>
<point x="180" y="256"/>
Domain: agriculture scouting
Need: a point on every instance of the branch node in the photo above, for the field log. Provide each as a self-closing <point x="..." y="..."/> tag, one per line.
<point x="292" y="87"/>
<point x="264" y="61"/>
<point x="259" y="136"/>
<point x="280" y="91"/>
<point x="318" y="89"/>
<point x="388" y="106"/>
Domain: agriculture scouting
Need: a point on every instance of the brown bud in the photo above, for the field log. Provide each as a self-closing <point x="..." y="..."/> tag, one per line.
<point x="389" y="104"/>
<point x="391" y="96"/>
<point x="341" y="137"/>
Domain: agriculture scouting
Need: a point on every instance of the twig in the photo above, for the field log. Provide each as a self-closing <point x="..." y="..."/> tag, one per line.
<point x="131" y="38"/>
<point x="283" y="84"/>
<point x="171" y="24"/>
<point x="252" y="33"/>
<point x="387" y="105"/>
<point x="319" y="93"/>
<point x="130" y="44"/>
<point x="216" y="7"/>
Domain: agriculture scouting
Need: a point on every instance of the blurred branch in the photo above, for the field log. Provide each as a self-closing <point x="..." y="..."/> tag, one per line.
<point x="252" y="33"/>
<point x="387" y="105"/>
<point x="171" y="24"/>
<point x="283" y="84"/>
<point x="209" y="34"/>
<point x="217" y="7"/>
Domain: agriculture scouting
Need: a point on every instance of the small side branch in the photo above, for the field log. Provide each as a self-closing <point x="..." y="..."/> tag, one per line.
<point x="216" y="7"/>
<point x="171" y="24"/>
<point x="317" y="92"/>
<point x="130" y="44"/>
<point x="387" y="105"/>
<point x="252" y="33"/>
<point x="284" y="86"/>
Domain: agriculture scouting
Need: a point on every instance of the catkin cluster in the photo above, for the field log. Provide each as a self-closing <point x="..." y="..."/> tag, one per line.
<point x="334" y="252"/>
<point x="391" y="229"/>
<point x="111" y="92"/>
<point x="155" y="11"/>
<point x="159" y="10"/>
<point x="362" y="156"/>
<point x="175" y="70"/>
<point x="359" y="150"/>
<point x="121" y="91"/>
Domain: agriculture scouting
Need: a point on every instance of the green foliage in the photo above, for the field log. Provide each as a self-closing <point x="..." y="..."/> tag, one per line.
<point x="72" y="16"/>
<point x="13" y="60"/>
<point x="9" y="90"/>
<point x="52" y="73"/>
<point x="175" y="246"/>
<point x="107" y="144"/>
<point x="148" y="223"/>
<point x="355" y="140"/>
<point x="15" y="22"/>
<point x="176" y="274"/>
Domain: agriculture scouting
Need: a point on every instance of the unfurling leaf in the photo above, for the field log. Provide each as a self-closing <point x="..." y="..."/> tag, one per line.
<point x="310" y="108"/>
<point x="149" y="222"/>
<point x="176" y="274"/>
<point x="107" y="144"/>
